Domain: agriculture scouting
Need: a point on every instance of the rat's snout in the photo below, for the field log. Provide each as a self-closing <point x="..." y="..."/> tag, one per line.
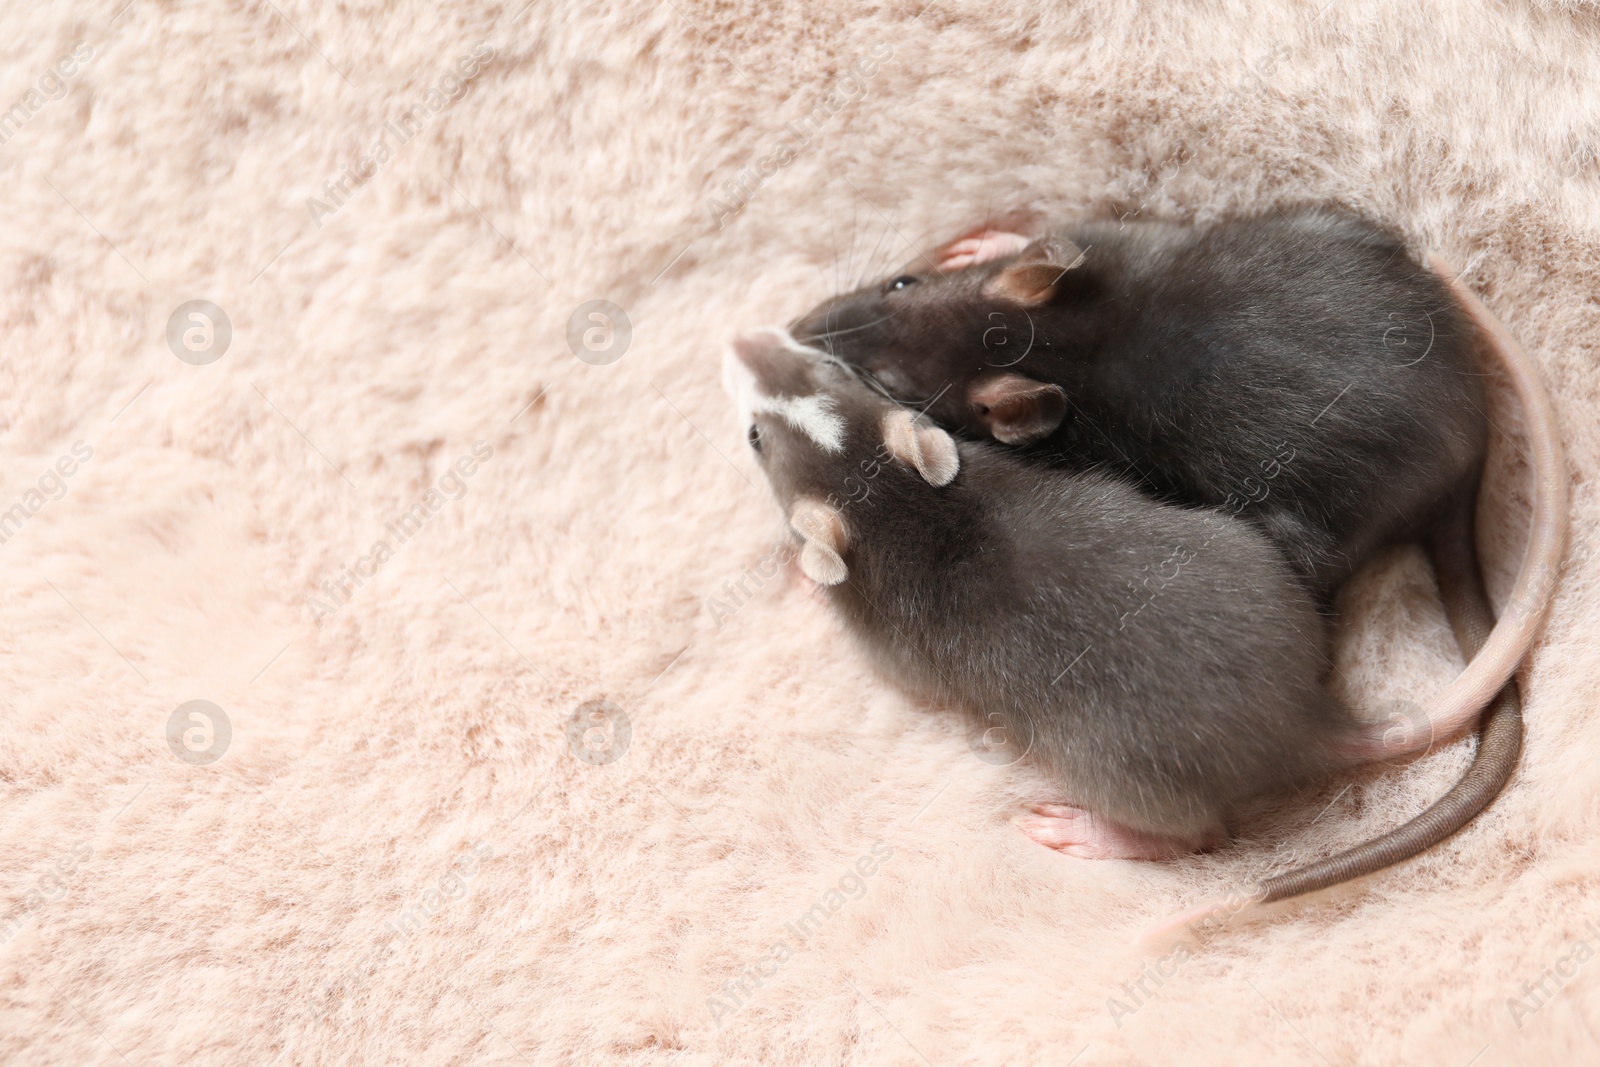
<point x="812" y="327"/>
<point x="833" y="323"/>
<point x="738" y="377"/>
<point x="764" y="363"/>
<point x="771" y="357"/>
<point x="751" y="358"/>
<point x="828" y="326"/>
<point x="847" y="327"/>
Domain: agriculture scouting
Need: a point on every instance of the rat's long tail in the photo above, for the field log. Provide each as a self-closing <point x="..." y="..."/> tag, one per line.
<point x="1472" y="619"/>
<point x="1459" y="706"/>
<point x="1499" y="745"/>
<point x="1499" y="742"/>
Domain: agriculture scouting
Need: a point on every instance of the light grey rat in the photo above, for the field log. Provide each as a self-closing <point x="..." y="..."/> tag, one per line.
<point x="978" y="579"/>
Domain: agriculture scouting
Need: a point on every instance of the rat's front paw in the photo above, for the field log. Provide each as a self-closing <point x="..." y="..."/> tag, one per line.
<point x="806" y="586"/>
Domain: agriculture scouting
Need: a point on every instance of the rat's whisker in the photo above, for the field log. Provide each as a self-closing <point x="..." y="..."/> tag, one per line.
<point x="863" y="326"/>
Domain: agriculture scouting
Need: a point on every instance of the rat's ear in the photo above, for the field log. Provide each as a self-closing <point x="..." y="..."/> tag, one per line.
<point x="978" y="247"/>
<point x="1018" y="410"/>
<point x="823" y="529"/>
<point x="1034" y="278"/>
<point x="822" y="565"/>
<point x="1028" y="284"/>
<point x="921" y="445"/>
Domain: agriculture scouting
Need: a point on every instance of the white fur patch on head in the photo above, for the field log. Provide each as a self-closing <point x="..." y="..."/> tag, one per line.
<point x="815" y="416"/>
<point x="822" y="527"/>
<point x="921" y="445"/>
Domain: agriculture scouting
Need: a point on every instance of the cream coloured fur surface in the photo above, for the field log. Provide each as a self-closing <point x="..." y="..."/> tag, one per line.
<point x="398" y="855"/>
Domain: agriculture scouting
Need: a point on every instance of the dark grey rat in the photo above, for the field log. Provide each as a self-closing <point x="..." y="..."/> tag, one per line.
<point x="1214" y="366"/>
<point x="1299" y="368"/>
<point x="1010" y="590"/>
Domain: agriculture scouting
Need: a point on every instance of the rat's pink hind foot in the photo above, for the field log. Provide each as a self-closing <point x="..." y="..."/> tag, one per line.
<point x="1080" y="833"/>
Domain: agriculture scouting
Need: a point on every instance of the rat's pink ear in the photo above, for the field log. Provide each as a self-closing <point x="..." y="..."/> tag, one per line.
<point x="979" y="247"/>
<point x="1018" y="410"/>
<point x="823" y="529"/>
<point x="921" y="445"/>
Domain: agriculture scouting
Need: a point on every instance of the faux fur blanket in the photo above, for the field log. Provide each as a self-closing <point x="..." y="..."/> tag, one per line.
<point x="401" y="656"/>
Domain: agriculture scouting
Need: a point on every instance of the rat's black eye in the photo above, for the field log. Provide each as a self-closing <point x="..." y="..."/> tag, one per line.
<point x="754" y="437"/>
<point x="905" y="281"/>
